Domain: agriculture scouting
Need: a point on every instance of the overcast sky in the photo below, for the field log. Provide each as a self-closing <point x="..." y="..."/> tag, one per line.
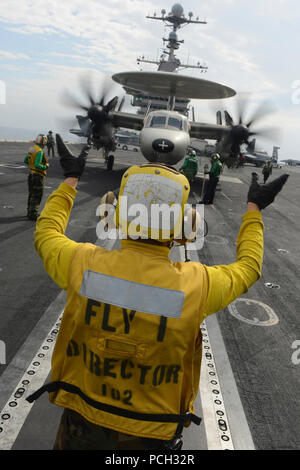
<point x="47" y="45"/>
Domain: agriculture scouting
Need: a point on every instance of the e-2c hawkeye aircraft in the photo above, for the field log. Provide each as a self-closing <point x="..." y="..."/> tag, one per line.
<point x="164" y="134"/>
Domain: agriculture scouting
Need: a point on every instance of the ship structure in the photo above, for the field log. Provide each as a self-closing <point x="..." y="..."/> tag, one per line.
<point x="168" y="62"/>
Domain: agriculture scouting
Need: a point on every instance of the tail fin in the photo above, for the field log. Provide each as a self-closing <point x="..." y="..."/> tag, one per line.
<point x="84" y="124"/>
<point x="251" y="146"/>
<point x="275" y="153"/>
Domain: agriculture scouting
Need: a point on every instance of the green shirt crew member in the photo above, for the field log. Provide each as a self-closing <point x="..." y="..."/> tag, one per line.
<point x="38" y="165"/>
<point x="267" y="171"/>
<point x="214" y="175"/>
<point x="216" y="168"/>
<point x="190" y="166"/>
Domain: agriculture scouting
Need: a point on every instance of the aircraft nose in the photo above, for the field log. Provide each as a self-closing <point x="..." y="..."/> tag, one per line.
<point x="162" y="145"/>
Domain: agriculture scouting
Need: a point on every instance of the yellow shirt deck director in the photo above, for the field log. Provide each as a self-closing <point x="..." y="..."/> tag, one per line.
<point x="121" y="367"/>
<point x="31" y="160"/>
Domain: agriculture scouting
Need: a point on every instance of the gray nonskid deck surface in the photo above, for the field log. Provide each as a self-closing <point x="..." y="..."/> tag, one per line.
<point x="252" y="341"/>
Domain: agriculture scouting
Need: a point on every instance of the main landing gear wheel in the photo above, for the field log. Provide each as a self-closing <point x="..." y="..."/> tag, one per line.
<point x="110" y="162"/>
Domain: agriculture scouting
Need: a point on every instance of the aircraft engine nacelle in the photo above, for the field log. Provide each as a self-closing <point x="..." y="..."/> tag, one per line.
<point x="164" y="145"/>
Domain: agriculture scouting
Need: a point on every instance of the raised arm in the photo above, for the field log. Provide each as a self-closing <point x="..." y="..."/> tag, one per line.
<point x="54" y="248"/>
<point x="50" y="242"/>
<point x="228" y="282"/>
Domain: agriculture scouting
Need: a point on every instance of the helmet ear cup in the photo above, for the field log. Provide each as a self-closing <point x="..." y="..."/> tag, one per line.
<point x="190" y="227"/>
<point x="107" y="210"/>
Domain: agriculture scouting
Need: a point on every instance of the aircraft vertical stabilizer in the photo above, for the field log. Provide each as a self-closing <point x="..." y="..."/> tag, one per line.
<point x="251" y="146"/>
<point x="275" y="153"/>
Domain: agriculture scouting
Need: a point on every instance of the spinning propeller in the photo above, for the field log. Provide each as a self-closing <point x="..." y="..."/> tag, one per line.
<point x="242" y="129"/>
<point x="96" y="122"/>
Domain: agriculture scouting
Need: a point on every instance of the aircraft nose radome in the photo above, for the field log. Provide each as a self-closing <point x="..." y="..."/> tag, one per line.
<point x="163" y="145"/>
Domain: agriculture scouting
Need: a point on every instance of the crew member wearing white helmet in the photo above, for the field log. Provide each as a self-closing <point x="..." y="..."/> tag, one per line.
<point x="190" y="166"/>
<point x="38" y="166"/>
<point x="126" y="363"/>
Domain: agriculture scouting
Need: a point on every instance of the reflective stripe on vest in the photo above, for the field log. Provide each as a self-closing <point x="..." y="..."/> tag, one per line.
<point x="132" y="295"/>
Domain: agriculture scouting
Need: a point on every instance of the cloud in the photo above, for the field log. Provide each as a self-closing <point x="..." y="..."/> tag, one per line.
<point x="39" y="100"/>
<point x="71" y="17"/>
<point x="12" y="55"/>
<point x="240" y="45"/>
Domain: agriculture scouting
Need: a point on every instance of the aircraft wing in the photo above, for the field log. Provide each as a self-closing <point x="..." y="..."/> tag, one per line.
<point x="78" y="132"/>
<point x="208" y="131"/>
<point x="127" y="120"/>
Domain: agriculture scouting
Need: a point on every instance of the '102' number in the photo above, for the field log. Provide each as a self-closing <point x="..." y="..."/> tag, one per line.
<point x="115" y="394"/>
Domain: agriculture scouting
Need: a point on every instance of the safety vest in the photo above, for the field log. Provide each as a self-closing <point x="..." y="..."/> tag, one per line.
<point x="128" y="354"/>
<point x="31" y="159"/>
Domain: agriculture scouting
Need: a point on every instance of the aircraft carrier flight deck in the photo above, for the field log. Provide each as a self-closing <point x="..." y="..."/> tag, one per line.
<point x="250" y="376"/>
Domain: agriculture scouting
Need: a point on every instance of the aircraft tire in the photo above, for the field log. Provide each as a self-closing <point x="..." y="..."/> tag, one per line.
<point x="110" y="162"/>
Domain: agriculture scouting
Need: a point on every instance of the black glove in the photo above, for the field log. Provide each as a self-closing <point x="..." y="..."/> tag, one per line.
<point x="73" y="166"/>
<point x="263" y="195"/>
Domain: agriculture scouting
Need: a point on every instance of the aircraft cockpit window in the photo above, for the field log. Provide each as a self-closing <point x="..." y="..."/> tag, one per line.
<point x="175" y="122"/>
<point x="158" y="121"/>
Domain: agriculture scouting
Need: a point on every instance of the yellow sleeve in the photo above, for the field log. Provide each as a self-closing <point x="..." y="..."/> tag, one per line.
<point x="53" y="247"/>
<point x="226" y="283"/>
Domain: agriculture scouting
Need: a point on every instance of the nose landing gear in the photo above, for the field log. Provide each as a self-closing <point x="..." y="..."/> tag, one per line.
<point x="109" y="160"/>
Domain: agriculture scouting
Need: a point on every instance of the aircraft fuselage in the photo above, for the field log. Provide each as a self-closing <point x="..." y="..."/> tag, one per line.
<point x="165" y="137"/>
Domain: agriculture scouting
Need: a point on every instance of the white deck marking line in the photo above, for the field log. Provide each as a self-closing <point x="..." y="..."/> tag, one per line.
<point x="16" y="410"/>
<point x="224" y="178"/>
<point x="223" y="194"/>
<point x="13" y="166"/>
<point x="217" y="430"/>
<point x="214" y="414"/>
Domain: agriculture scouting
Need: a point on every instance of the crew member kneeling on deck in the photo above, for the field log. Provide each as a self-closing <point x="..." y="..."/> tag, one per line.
<point x="38" y="166"/>
<point x="126" y="363"/>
